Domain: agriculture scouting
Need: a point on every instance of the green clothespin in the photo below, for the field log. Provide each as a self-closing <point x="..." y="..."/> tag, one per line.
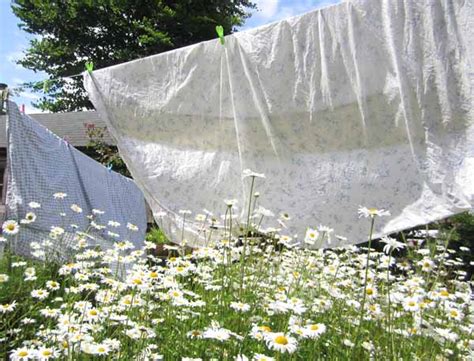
<point x="89" y="66"/>
<point x="220" y="33"/>
<point x="46" y="85"/>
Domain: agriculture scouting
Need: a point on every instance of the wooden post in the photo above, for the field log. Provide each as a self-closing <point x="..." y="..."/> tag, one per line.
<point x="3" y="97"/>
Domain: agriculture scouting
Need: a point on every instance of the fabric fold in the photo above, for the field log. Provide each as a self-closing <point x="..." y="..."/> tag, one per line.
<point x="364" y="103"/>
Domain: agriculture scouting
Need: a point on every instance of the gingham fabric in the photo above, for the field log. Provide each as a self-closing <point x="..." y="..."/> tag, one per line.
<point x="365" y="103"/>
<point x="41" y="164"/>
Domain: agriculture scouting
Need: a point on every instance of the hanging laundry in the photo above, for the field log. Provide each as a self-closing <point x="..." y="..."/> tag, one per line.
<point x="65" y="187"/>
<point x="364" y="103"/>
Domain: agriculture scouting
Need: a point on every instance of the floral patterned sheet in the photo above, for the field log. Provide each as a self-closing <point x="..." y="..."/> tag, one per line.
<point x="364" y="103"/>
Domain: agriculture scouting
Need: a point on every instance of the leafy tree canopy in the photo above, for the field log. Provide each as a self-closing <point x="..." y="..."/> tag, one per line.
<point x="107" y="32"/>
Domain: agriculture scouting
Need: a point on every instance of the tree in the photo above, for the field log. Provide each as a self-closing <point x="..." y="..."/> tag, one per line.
<point x="107" y="32"/>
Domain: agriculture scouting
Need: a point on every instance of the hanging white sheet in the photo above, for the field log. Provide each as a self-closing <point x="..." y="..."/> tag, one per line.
<point x="367" y="103"/>
<point x="41" y="164"/>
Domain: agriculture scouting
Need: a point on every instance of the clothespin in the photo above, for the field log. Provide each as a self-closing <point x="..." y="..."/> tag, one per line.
<point x="89" y="66"/>
<point x="220" y="33"/>
<point x="109" y="167"/>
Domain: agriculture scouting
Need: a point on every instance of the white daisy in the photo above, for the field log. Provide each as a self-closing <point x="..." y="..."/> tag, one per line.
<point x="311" y="236"/>
<point x="249" y="173"/>
<point x="280" y="342"/>
<point x="10" y="227"/>
<point x="372" y="212"/>
<point x="30" y="217"/>
<point x="314" y="330"/>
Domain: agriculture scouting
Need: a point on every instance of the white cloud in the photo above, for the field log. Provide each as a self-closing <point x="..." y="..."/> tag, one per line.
<point x="29" y="109"/>
<point x="29" y="95"/>
<point x="16" y="82"/>
<point x="266" y="8"/>
<point x="14" y="56"/>
<point x="275" y="10"/>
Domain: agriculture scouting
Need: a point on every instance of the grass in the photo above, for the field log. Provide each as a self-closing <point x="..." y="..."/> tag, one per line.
<point x="248" y="296"/>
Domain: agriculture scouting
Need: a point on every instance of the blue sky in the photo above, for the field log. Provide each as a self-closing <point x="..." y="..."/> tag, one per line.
<point x="14" y="41"/>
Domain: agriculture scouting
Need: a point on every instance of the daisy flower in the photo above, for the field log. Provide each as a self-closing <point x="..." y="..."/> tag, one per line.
<point x="314" y="330"/>
<point x="220" y="334"/>
<point x="101" y="349"/>
<point x="372" y="212"/>
<point x="391" y="244"/>
<point x="59" y="195"/>
<point x="280" y="342"/>
<point x="47" y="353"/>
<point x="262" y="357"/>
<point x="4" y="278"/>
<point x="30" y="217"/>
<point x="39" y="294"/>
<point x="230" y="202"/>
<point x="411" y="304"/>
<point x="454" y="314"/>
<point x="249" y="173"/>
<point x="311" y="236"/>
<point x="10" y="227"/>
<point x="22" y="353"/>
<point x="7" y="307"/>
<point x="239" y="306"/>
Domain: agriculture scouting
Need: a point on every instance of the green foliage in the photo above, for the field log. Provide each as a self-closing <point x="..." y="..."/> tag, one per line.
<point x="156" y="236"/>
<point x="463" y="225"/>
<point x="104" y="153"/>
<point x="71" y="33"/>
<point x="17" y="289"/>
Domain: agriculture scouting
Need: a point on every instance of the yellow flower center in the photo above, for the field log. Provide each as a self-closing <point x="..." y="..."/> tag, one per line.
<point x="11" y="227"/>
<point x="153" y="275"/>
<point x="444" y="293"/>
<point x="411" y="304"/>
<point x="314" y="327"/>
<point x="180" y="269"/>
<point x="137" y="281"/>
<point x="46" y="353"/>
<point x="281" y="340"/>
<point x="370" y="291"/>
<point x="93" y="312"/>
<point x="23" y="353"/>
<point x="265" y="329"/>
<point x="101" y="350"/>
<point x="454" y="313"/>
